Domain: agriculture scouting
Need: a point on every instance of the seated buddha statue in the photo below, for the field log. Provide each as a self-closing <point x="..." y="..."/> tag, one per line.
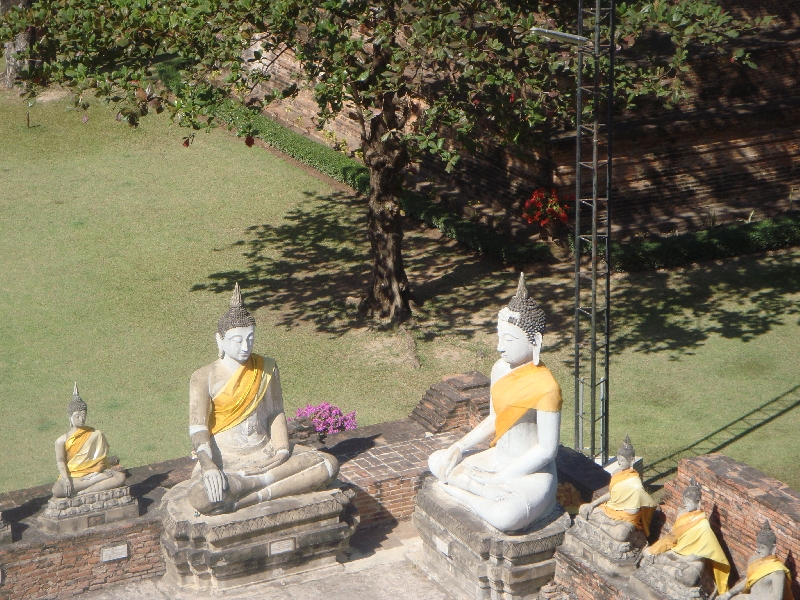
<point x="767" y="577"/>
<point x="627" y="507"/>
<point x="238" y="427"/>
<point x="82" y="456"/>
<point x="691" y="544"/>
<point x="512" y="483"/>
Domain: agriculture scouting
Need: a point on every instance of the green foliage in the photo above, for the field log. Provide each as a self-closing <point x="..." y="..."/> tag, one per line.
<point x="473" y="235"/>
<point x="326" y="160"/>
<point x="711" y="244"/>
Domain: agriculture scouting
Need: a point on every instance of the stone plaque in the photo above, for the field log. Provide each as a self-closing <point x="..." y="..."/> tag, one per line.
<point x="442" y="546"/>
<point x="111" y="553"/>
<point x="281" y="546"/>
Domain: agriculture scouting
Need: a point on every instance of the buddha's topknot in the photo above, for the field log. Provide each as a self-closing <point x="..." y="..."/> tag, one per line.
<point x="236" y="316"/>
<point x="766" y="537"/>
<point x="76" y="403"/>
<point x="627" y="449"/>
<point x="530" y="317"/>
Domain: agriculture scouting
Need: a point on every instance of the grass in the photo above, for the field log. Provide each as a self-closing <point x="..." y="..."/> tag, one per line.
<point x="120" y="247"/>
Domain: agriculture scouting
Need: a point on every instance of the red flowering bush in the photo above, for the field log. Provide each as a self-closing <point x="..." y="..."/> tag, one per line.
<point x="545" y="206"/>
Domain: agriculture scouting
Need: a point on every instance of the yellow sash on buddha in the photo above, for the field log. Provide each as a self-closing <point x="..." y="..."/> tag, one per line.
<point x="692" y="534"/>
<point x="525" y="388"/>
<point x="241" y="395"/>
<point x="765" y="566"/>
<point x="87" y="452"/>
<point x="627" y="493"/>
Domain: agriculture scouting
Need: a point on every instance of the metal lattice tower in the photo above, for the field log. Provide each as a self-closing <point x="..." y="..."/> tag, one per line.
<point x="595" y="75"/>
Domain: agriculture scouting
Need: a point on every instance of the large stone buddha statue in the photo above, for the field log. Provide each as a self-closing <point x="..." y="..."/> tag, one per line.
<point x="238" y="427"/>
<point x="513" y="482"/>
<point x="82" y="456"/>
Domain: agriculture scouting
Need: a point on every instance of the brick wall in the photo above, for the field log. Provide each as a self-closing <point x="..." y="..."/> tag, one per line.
<point x="738" y="499"/>
<point x="70" y="565"/>
<point x="387" y="478"/>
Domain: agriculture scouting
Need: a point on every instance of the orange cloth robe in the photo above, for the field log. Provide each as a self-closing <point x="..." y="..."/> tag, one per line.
<point x="628" y="493"/>
<point x="765" y="566"/>
<point x="692" y="534"/>
<point x="87" y="452"/>
<point x="527" y="387"/>
<point x="241" y="395"/>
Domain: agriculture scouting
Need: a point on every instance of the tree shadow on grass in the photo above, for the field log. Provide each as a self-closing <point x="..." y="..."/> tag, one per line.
<point x="306" y="266"/>
<point x="314" y="264"/>
<point x="678" y="312"/>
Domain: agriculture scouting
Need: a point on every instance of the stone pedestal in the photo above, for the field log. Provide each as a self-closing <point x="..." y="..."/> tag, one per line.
<point x="276" y="539"/>
<point x="89" y="509"/>
<point x="474" y="560"/>
<point x="5" y="531"/>
<point x="596" y="547"/>
<point x="651" y="583"/>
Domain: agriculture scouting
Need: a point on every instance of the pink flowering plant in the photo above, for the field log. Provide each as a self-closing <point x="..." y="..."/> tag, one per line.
<point x="327" y="418"/>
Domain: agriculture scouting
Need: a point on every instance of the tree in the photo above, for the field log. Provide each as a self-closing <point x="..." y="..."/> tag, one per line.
<point x="419" y="76"/>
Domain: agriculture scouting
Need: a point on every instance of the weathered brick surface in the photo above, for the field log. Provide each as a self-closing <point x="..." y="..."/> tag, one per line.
<point x="457" y="403"/>
<point x="70" y="565"/>
<point x="387" y="478"/>
<point x="738" y="499"/>
<point x="576" y="580"/>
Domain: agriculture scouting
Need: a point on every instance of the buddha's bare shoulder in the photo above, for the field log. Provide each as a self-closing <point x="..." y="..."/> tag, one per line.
<point x="209" y="374"/>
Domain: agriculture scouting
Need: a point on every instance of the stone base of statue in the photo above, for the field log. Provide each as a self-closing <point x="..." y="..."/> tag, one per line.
<point x="474" y="560"/>
<point x="597" y="548"/>
<point x="89" y="509"/>
<point x="273" y="540"/>
<point x="651" y="583"/>
<point x="5" y="531"/>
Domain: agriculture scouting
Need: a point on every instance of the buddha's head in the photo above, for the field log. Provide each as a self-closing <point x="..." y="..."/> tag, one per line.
<point x="236" y="330"/>
<point x="766" y="541"/>
<point x="519" y="328"/>
<point x="76" y="409"/>
<point x="626" y="454"/>
<point x="691" y="495"/>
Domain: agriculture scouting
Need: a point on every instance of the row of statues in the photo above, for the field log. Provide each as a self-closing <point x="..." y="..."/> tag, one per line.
<point x="238" y="431"/>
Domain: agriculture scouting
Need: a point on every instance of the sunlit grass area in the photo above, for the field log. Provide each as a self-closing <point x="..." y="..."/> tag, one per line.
<point x="120" y="248"/>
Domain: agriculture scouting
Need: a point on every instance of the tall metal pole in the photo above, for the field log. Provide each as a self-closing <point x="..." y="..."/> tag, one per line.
<point x="593" y="304"/>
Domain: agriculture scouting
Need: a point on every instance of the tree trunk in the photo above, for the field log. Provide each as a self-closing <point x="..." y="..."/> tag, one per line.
<point x="19" y="44"/>
<point x="388" y="292"/>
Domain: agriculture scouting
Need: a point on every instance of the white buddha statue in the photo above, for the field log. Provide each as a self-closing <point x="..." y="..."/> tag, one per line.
<point x="513" y="482"/>
<point x="238" y="427"/>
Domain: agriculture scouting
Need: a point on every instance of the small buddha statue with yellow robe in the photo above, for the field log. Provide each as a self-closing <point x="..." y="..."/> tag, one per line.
<point x="691" y="544"/>
<point x="513" y="483"/>
<point x="627" y="507"/>
<point x="767" y="577"/>
<point x="82" y="456"/>
<point x="238" y="427"/>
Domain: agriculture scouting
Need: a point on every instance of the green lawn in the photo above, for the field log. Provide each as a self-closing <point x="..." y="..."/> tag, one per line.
<point x="119" y="248"/>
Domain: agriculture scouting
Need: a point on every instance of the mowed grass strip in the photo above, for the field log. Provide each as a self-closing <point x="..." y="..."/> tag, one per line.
<point x="120" y="248"/>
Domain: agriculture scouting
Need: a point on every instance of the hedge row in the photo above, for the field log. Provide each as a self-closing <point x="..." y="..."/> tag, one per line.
<point x="712" y="244"/>
<point x="653" y="253"/>
<point x="351" y="172"/>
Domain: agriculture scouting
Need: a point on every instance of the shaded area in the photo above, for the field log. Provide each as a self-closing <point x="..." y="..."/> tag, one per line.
<point x="724" y="436"/>
<point x="678" y="312"/>
<point x="314" y="266"/>
<point x="307" y="265"/>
